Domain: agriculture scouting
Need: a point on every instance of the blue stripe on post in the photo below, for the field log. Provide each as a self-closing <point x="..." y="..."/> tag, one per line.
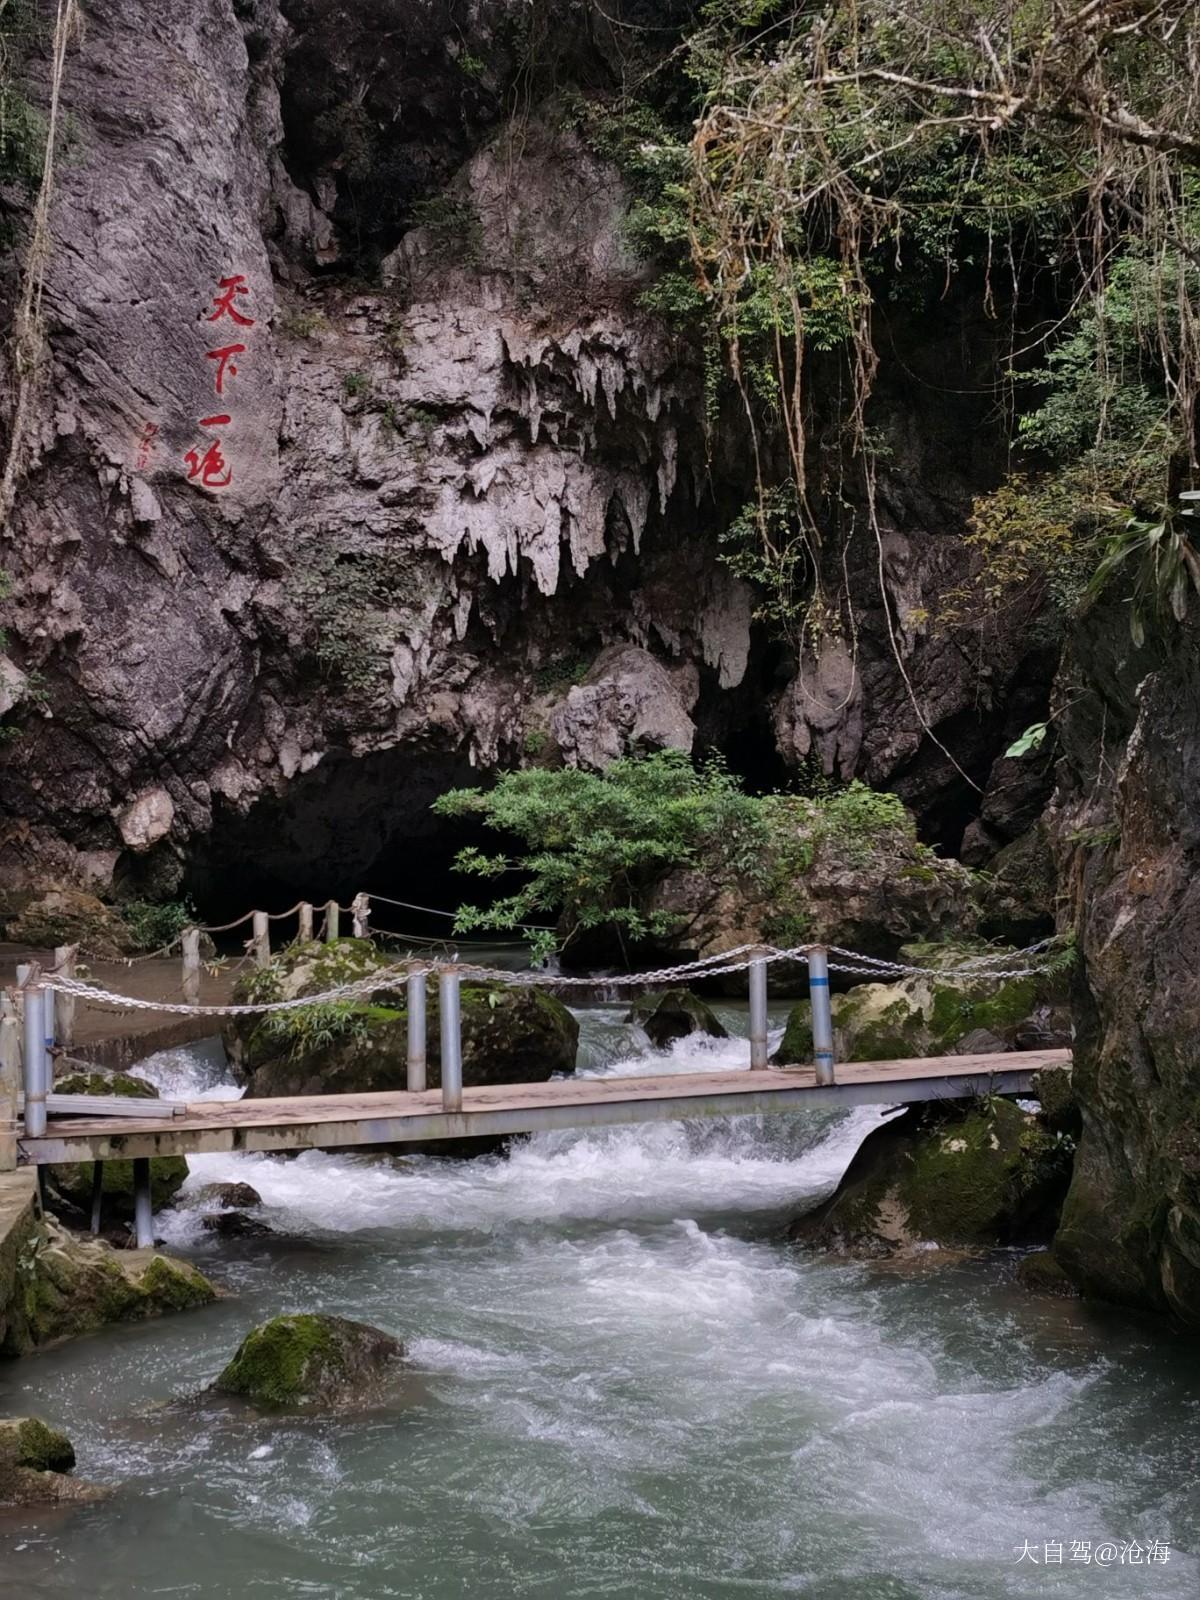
<point x="818" y="983"/>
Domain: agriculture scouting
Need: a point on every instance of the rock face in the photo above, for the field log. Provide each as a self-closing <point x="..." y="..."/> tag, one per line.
<point x="966" y="1177"/>
<point x="1126" y="824"/>
<point x="922" y="1016"/>
<point x="34" y="1462"/>
<point x="63" y="1286"/>
<point x="310" y="1361"/>
<point x="63" y="916"/>
<point x="509" y="1035"/>
<point x="463" y="466"/>
<point x="674" y="1014"/>
<point x="71" y="1186"/>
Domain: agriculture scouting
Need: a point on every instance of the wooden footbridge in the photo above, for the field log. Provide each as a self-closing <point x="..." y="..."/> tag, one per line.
<point x="42" y="1127"/>
<point x="330" y="1122"/>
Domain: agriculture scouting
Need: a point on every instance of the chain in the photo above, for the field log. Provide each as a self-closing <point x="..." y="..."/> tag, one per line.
<point x="728" y="961"/>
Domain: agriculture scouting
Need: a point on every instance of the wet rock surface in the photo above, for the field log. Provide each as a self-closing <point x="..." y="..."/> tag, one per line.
<point x="675" y="1014"/>
<point x="34" y="1462"/>
<point x="964" y="1176"/>
<point x="309" y="1361"/>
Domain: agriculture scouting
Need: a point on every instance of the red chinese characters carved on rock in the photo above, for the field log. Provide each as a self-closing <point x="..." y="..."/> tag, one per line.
<point x="206" y="464"/>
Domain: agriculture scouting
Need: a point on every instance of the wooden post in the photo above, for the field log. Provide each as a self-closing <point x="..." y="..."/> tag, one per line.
<point x="360" y="912"/>
<point x="261" y="939"/>
<point x="331" y="921"/>
<point x="304" y="931"/>
<point x="191" y="966"/>
<point x="10" y="1081"/>
<point x="64" y="964"/>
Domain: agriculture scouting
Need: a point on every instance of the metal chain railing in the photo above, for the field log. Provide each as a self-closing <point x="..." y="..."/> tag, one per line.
<point x="738" y="959"/>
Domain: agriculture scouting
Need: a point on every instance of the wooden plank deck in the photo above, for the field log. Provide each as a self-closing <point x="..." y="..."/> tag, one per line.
<point x="331" y="1121"/>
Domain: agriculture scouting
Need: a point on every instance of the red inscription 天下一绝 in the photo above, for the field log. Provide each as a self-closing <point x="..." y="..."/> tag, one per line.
<point x="206" y="464"/>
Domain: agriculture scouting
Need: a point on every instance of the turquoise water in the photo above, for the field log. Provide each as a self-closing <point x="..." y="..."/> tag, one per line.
<point x="622" y="1384"/>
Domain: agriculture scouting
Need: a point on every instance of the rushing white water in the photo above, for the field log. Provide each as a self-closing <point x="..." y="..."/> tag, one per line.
<point x="624" y="1384"/>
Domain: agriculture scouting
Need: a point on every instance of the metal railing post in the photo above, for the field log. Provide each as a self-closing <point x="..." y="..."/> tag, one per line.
<point x="451" y="1038"/>
<point x="758" y="1015"/>
<point x="261" y="939"/>
<point x="35" y="1061"/>
<point x="48" y="1036"/>
<point x="10" y="1081"/>
<point x="190" y="943"/>
<point x="822" y="1013"/>
<point x="415" y="1072"/>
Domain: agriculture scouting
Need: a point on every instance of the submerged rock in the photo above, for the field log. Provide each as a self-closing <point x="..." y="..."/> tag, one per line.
<point x="927" y="1016"/>
<point x="63" y="1286"/>
<point x="310" y="1360"/>
<point x="70" y="1185"/>
<point x="234" y="1225"/>
<point x="969" y="1175"/>
<point x="34" y="1462"/>
<point x="674" y="1014"/>
<point x="236" y="1196"/>
<point x="509" y="1034"/>
<point x="1042" y="1273"/>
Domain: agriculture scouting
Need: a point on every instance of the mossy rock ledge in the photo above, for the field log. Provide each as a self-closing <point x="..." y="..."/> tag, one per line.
<point x="510" y="1034"/>
<point x="927" y="1016"/>
<point x="311" y="1361"/>
<point x="70" y="1185"/>
<point x="674" y="1014"/>
<point x="967" y="1176"/>
<point x="63" y="1287"/>
<point x="34" y="1462"/>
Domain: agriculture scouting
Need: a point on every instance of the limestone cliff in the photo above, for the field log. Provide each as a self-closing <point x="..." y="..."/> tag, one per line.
<point x="357" y="465"/>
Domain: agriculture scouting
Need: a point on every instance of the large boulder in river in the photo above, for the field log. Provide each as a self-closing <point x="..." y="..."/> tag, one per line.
<point x="34" y="1462"/>
<point x="510" y="1033"/>
<point x="310" y="1360"/>
<point x="925" y="1015"/>
<point x="69" y="1186"/>
<point x="674" y="1014"/>
<point x="967" y="1175"/>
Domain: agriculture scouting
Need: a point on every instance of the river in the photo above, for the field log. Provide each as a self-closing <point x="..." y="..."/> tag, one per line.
<point x="624" y="1384"/>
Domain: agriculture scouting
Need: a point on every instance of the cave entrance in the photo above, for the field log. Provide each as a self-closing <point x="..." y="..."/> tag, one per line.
<point x="352" y="824"/>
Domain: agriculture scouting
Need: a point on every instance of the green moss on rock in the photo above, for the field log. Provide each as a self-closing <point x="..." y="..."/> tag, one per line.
<point x="34" y="1459"/>
<point x="967" y="1176"/>
<point x="309" y="1359"/>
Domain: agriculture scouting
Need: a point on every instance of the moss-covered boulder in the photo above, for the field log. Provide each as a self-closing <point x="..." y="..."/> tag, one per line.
<point x="69" y="1186"/>
<point x="674" y="1014"/>
<point x="58" y="916"/>
<point x="229" y="1196"/>
<point x="925" y="1015"/>
<point x="309" y="1360"/>
<point x="34" y="1461"/>
<point x="510" y="1034"/>
<point x="969" y="1175"/>
<point x="65" y="1286"/>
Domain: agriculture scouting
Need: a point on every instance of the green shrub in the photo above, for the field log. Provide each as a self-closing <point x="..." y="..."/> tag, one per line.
<point x="153" y="924"/>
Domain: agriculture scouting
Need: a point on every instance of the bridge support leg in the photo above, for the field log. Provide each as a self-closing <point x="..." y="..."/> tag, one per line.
<point x="143" y="1206"/>
<point x="35" y="1061"/>
<point x="822" y="1013"/>
<point x="415" y="992"/>
<point x="758" y="1016"/>
<point x="451" y="1038"/>
<point x="97" y="1195"/>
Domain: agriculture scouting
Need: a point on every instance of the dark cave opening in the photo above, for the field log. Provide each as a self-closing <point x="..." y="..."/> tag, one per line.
<point x="352" y="824"/>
